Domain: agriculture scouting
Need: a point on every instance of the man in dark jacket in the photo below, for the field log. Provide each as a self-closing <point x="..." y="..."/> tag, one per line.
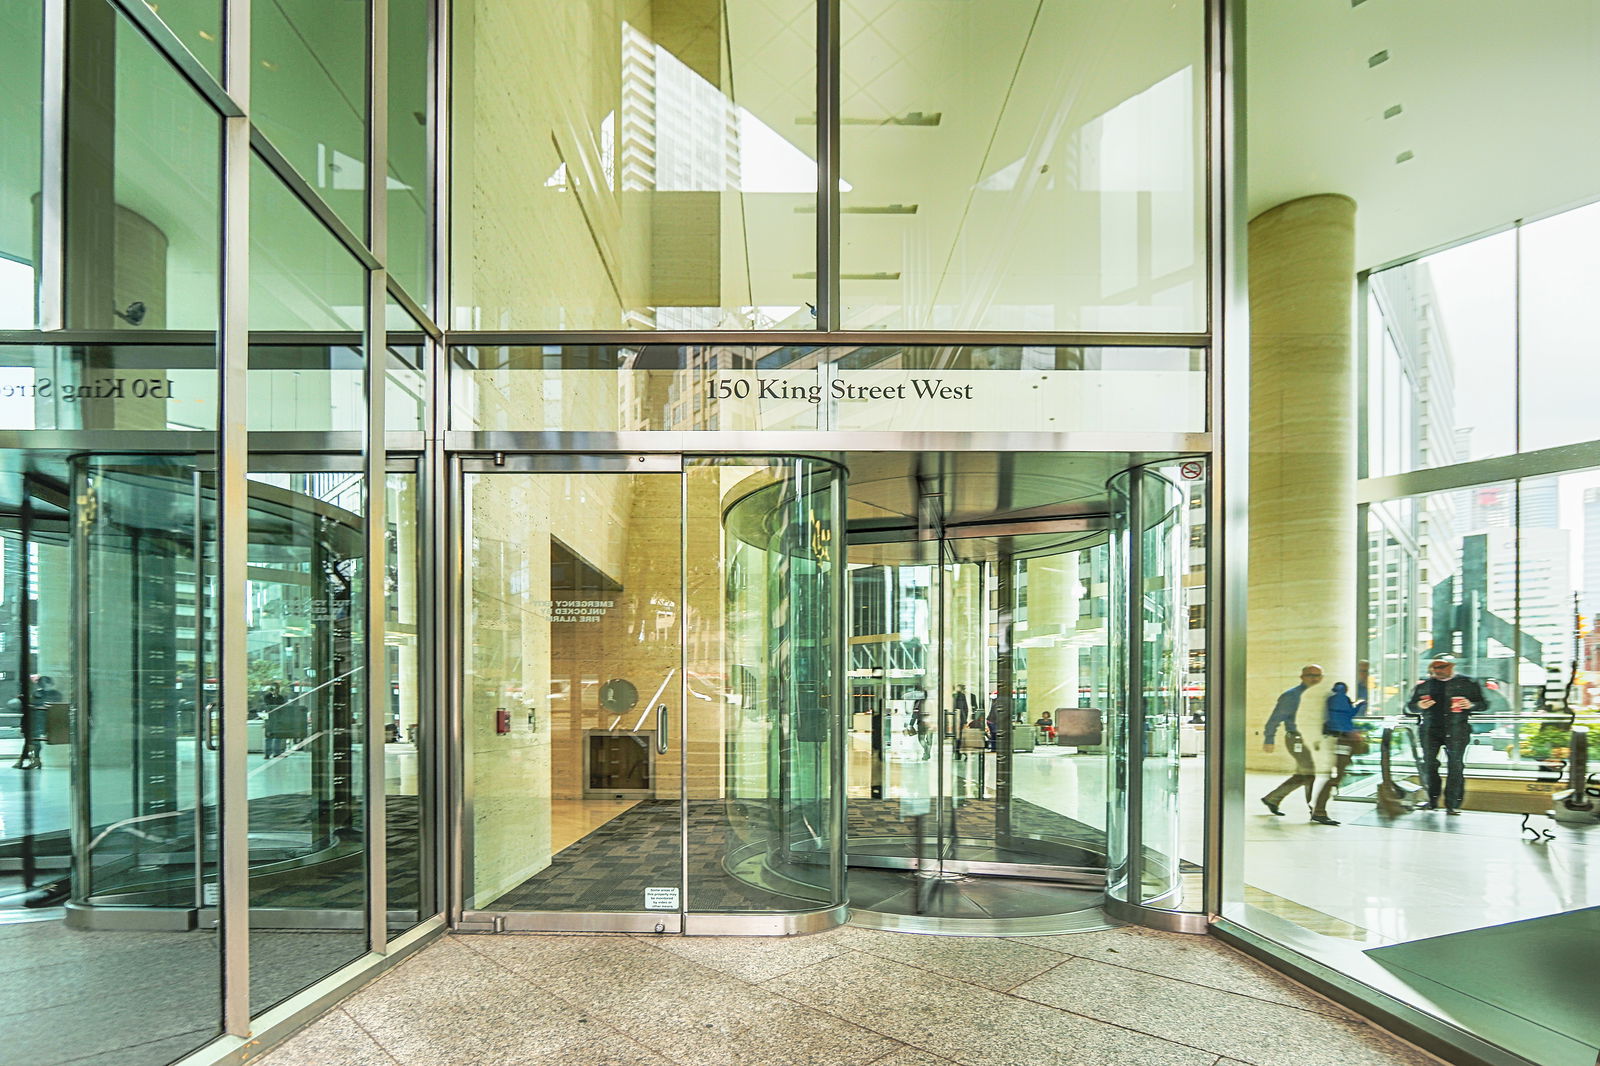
<point x="1445" y="702"/>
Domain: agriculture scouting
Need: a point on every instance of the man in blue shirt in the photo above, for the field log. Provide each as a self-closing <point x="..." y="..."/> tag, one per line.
<point x="1305" y="767"/>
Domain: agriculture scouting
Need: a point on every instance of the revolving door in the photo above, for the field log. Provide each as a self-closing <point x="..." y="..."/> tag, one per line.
<point x="1013" y="686"/>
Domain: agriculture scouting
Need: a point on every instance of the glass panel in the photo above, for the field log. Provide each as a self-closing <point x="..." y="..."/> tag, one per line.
<point x="409" y="785"/>
<point x="1443" y="377"/>
<point x="999" y="169"/>
<point x="309" y="95"/>
<point x="573" y="692"/>
<point x="108" y="386"/>
<point x="107" y="767"/>
<point x="890" y="387"/>
<point x="307" y="768"/>
<point x="21" y="115"/>
<point x="764" y="539"/>
<point x="143" y="190"/>
<point x="198" y="25"/>
<point x="301" y="277"/>
<point x="305" y="604"/>
<point x="410" y="186"/>
<point x="302" y="280"/>
<point x="405" y="396"/>
<point x="676" y="202"/>
<point x="1558" y="329"/>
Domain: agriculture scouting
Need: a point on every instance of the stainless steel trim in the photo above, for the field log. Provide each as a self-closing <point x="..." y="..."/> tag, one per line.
<point x="1090" y="919"/>
<point x="377" y="191"/>
<point x="838" y="768"/>
<point x="172" y="48"/>
<point x="982" y="530"/>
<point x="376" y="566"/>
<point x="1539" y="463"/>
<point x="578" y="921"/>
<point x="439" y="134"/>
<point x="801" y="924"/>
<point x="829" y="313"/>
<point x="51" y="307"/>
<point x="233" y="490"/>
<point x="414" y="310"/>
<point x="1361" y="994"/>
<point x="302" y="190"/>
<point x="1133" y="693"/>
<point x="44" y="335"/>
<point x="573" y="464"/>
<point x="1227" y="561"/>
<point x="1141" y="447"/>
<point x="457" y="756"/>
<point x="282" y="1021"/>
<point x="1157" y="918"/>
<point x="683" y="692"/>
<point x="823" y="338"/>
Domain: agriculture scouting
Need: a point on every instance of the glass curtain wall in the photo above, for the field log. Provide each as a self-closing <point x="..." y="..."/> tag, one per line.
<point x="1009" y="166"/>
<point x="120" y="719"/>
<point x="1414" y="801"/>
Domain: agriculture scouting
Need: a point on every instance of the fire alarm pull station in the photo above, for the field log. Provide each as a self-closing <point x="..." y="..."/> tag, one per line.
<point x="502" y="720"/>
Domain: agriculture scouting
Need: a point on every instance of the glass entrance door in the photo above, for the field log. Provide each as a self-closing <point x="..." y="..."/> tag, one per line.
<point x="573" y="693"/>
<point x="647" y="686"/>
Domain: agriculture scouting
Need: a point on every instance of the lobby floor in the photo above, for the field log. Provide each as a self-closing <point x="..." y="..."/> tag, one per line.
<point x="847" y="997"/>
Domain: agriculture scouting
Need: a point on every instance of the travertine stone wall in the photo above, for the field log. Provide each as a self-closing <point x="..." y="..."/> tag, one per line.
<point x="1302" y="456"/>
<point x="1054" y="596"/>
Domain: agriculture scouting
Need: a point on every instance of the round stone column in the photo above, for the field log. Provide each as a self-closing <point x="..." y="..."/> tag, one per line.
<point x="1302" y="582"/>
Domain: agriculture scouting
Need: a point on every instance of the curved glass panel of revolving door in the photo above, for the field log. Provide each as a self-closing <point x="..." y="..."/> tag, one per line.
<point x="765" y="763"/>
<point x="649" y="669"/>
<point x="1148" y="541"/>
<point x="978" y="675"/>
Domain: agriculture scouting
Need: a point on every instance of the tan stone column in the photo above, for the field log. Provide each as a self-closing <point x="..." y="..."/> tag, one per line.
<point x="1054" y="598"/>
<point x="1302" y="457"/>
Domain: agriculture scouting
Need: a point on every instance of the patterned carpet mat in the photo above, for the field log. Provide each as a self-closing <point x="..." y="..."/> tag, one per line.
<point x="610" y="869"/>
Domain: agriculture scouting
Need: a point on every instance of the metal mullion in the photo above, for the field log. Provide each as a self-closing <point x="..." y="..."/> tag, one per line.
<point x="314" y="203"/>
<point x="51" y="294"/>
<point x="233" y="528"/>
<point x="423" y="320"/>
<point x="439" y="159"/>
<point x="683" y="696"/>
<point x="375" y="475"/>
<point x="1133" y="687"/>
<point x="820" y="338"/>
<point x="827" y="148"/>
<point x="160" y="35"/>
<point x="1227" y="589"/>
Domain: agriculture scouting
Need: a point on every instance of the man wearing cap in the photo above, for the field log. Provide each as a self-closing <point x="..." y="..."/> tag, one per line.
<point x="1445" y="702"/>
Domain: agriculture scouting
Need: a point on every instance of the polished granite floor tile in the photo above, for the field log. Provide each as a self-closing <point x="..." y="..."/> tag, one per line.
<point x="1225" y="1023"/>
<point x="702" y="1016"/>
<point x="848" y="997"/>
<point x="1197" y="960"/>
<point x="991" y="962"/>
<point x="756" y="958"/>
<point x="910" y="1056"/>
<point x="333" y="1038"/>
<point x="968" y="1023"/>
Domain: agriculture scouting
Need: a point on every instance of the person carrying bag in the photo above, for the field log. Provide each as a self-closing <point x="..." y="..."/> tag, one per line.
<point x="1348" y="742"/>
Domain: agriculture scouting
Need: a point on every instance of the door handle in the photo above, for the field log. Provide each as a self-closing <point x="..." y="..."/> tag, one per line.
<point x="661" y="729"/>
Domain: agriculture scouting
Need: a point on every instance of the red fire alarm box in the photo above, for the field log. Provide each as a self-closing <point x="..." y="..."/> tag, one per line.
<point x="502" y="720"/>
